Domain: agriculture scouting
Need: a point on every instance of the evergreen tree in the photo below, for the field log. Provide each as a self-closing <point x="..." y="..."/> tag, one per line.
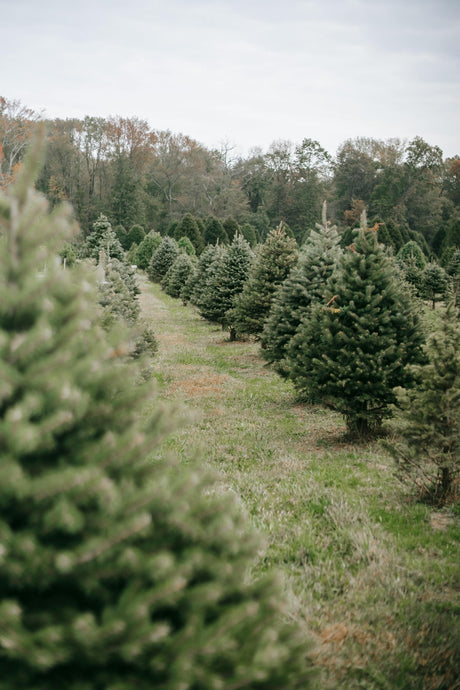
<point x="206" y="279"/>
<point x="122" y="235"/>
<point x="188" y="227"/>
<point x="412" y="262"/>
<point x="305" y="284"/>
<point x="162" y="259"/>
<point x="135" y="235"/>
<point x="249" y="234"/>
<point x="117" y="570"/>
<point x="412" y="251"/>
<point x="145" y="250"/>
<point x="434" y="282"/>
<point x="226" y="283"/>
<point x="186" y="247"/>
<point x="428" y="456"/>
<point x="177" y="275"/>
<point x="215" y="232"/>
<point x="270" y="268"/>
<point x="231" y="228"/>
<point x="103" y="238"/>
<point x="118" y="293"/>
<point x="125" y="193"/>
<point x="351" y="350"/>
<point x="453" y="271"/>
<point x="194" y="286"/>
<point x="395" y="234"/>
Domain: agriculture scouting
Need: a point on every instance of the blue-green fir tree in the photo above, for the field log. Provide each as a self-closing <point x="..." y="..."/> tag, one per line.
<point x="117" y="570"/>
<point x="353" y="347"/>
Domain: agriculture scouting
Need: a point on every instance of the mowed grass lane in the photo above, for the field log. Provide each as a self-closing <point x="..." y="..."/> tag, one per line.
<point x="373" y="575"/>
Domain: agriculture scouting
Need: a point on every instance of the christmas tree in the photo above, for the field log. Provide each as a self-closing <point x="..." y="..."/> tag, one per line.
<point x="188" y="228"/>
<point x="194" y="286"/>
<point x="428" y="456"/>
<point x="103" y="238"/>
<point x="225" y="282"/>
<point x="434" y="283"/>
<point x="305" y="284"/>
<point x="145" y="250"/>
<point x="270" y="268"/>
<point x="162" y="259"/>
<point x="117" y="571"/>
<point x="214" y="232"/>
<point x="177" y="275"/>
<point x="353" y="348"/>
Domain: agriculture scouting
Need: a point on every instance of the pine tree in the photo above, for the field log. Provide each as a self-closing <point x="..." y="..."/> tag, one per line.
<point x="122" y="235"/>
<point x="177" y="275"/>
<point x="434" y="282"/>
<point x="305" y="284"/>
<point x="145" y="250"/>
<point x="215" y="232"/>
<point x="103" y="238"/>
<point x="227" y="281"/>
<point x="186" y="247"/>
<point x="117" y="570"/>
<point x="188" y="227"/>
<point x="453" y="271"/>
<point x="412" y="251"/>
<point x="118" y="293"/>
<point x="231" y="228"/>
<point x="135" y="235"/>
<point x="194" y="286"/>
<point x="207" y="276"/>
<point x="162" y="259"/>
<point x="249" y="234"/>
<point x="270" y="268"/>
<point x="351" y="350"/>
<point x="428" y="456"/>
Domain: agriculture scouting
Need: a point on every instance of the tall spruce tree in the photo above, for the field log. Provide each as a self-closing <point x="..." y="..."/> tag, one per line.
<point x="305" y="284"/>
<point x="353" y="348"/>
<point x="271" y="266"/>
<point x="117" y="571"/>
<point x="428" y="456"/>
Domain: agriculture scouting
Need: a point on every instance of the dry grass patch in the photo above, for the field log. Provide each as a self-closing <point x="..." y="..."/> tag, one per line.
<point x="197" y="385"/>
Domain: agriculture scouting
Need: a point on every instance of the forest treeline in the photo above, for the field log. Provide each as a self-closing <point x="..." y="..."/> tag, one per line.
<point x="136" y="175"/>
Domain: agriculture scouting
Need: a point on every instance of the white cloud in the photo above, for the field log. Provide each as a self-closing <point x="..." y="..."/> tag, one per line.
<point x="251" y="71"/>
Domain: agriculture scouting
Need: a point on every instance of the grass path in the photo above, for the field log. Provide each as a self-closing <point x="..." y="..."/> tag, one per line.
<point x="374" y="576"/>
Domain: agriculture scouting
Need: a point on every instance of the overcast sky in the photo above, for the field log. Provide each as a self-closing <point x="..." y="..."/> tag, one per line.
<point x="246" y="72"/>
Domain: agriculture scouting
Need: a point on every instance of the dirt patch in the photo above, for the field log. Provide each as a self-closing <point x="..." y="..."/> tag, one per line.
<point x="441" y="521"/>
<point x="201" y="385"/>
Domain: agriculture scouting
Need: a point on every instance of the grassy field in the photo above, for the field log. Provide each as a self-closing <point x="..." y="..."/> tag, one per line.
<point x="373" y="575"/>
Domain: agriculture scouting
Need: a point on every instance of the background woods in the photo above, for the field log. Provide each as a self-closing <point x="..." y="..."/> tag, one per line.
<point x="136" y="175"/>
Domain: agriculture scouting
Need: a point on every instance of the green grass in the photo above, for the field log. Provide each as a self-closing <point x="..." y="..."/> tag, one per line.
<point x="372" y="573"/>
